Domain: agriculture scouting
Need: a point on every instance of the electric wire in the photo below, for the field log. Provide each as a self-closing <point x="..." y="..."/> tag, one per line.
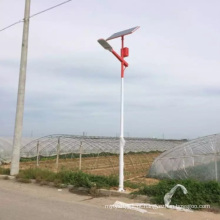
<point x="38" y="13"/>
<point x="11" y="25"/>
<point x="48" y="9"/>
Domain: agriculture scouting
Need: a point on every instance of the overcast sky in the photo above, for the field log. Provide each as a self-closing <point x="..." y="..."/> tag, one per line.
<point x="172" y="84"/>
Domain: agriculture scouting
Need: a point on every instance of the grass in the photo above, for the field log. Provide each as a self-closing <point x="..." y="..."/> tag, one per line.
<point x="37" y="174"/>
<point x="78" y="179"/>
<point x="4" y="171"/>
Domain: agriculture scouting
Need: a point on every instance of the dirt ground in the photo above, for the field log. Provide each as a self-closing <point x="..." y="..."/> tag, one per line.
<point x="136" y="165"/>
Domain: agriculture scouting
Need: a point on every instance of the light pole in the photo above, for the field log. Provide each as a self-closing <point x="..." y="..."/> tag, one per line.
<point x="124" y="64"/>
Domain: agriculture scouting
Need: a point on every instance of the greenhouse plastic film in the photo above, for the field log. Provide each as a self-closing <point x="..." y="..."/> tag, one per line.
<point x="197" y="159"/>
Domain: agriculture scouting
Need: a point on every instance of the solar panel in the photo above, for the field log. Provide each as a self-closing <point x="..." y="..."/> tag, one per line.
<point x="122" y="33"/>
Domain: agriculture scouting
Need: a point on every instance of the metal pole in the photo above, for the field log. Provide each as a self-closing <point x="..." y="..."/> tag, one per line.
<point x="122" y="142"/>
<point x="21" y="94"/>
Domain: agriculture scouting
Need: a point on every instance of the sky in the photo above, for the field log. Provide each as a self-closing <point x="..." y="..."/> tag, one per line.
<point x="172" y="84"/>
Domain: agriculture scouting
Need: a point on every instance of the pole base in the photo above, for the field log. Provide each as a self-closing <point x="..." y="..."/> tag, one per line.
<point x="121" y="190"/>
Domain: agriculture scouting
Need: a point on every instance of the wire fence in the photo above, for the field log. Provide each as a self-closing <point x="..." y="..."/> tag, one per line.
<point x="95" y="155"/>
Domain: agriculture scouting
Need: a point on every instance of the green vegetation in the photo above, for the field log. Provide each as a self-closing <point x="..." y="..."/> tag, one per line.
<point x="87" y="180"/>
<point x="4" y="171"/>
<point x="65" y="156"/>
<point x="78" y="179"/>
<point x="37" y="174"/>
<point x="76" y="155"/>
<point x="144" y="152"/>
<point x="199" y="193"/>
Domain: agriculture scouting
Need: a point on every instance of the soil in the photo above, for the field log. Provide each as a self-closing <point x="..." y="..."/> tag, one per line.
<point x="135" y="169"/>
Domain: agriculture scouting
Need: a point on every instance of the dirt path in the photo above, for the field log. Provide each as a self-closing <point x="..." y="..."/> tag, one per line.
<point x="30" y="201"/>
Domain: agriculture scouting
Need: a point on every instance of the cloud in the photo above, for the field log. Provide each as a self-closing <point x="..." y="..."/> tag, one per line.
<point x="73" y="85"/>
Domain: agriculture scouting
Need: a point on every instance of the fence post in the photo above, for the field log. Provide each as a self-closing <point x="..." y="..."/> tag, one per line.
<point x="216" y="168"/>
<point x="80" y="155"/>
<point x="58" y="154"/>
<point x="38" y="153"/>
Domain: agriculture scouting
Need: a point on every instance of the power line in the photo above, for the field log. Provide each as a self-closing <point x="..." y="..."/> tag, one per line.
<point x="41" y="12"/>
<point x="11" y="25"/>
<point x="55" y="6"/>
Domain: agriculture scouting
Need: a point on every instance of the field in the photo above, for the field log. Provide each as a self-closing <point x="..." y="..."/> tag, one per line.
<point x="136" y="165"/>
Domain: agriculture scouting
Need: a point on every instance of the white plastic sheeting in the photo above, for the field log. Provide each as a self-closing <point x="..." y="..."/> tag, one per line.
<point x="141" y="207"/>
<point x="169" y="195"/>
<point x="197" y="159"/>
<point x="5" y="149"/>
<point x="70" y="144"/>
<point x="47" y="146"/>
<point x="6" y="144"/>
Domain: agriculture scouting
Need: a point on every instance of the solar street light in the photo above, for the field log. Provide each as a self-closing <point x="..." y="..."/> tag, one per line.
<point x="124" y="64"/>
<point x="107" y="46"/>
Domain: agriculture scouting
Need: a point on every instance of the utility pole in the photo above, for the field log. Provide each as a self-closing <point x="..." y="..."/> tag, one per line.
<point x="21" y="94"/>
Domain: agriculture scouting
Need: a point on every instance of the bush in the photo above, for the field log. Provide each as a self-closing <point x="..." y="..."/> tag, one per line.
<point x="104" y="181"/>
<point x="87" y="180"/>
<point x="78" y="179"/>
<point x="199" y="193"/>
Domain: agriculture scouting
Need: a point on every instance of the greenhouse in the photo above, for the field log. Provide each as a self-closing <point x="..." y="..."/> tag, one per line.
<point x="94" y="155"/>
<point x="197" y="159"/>
<point x="6" y="144"/>
<point x="48" y="146"/>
